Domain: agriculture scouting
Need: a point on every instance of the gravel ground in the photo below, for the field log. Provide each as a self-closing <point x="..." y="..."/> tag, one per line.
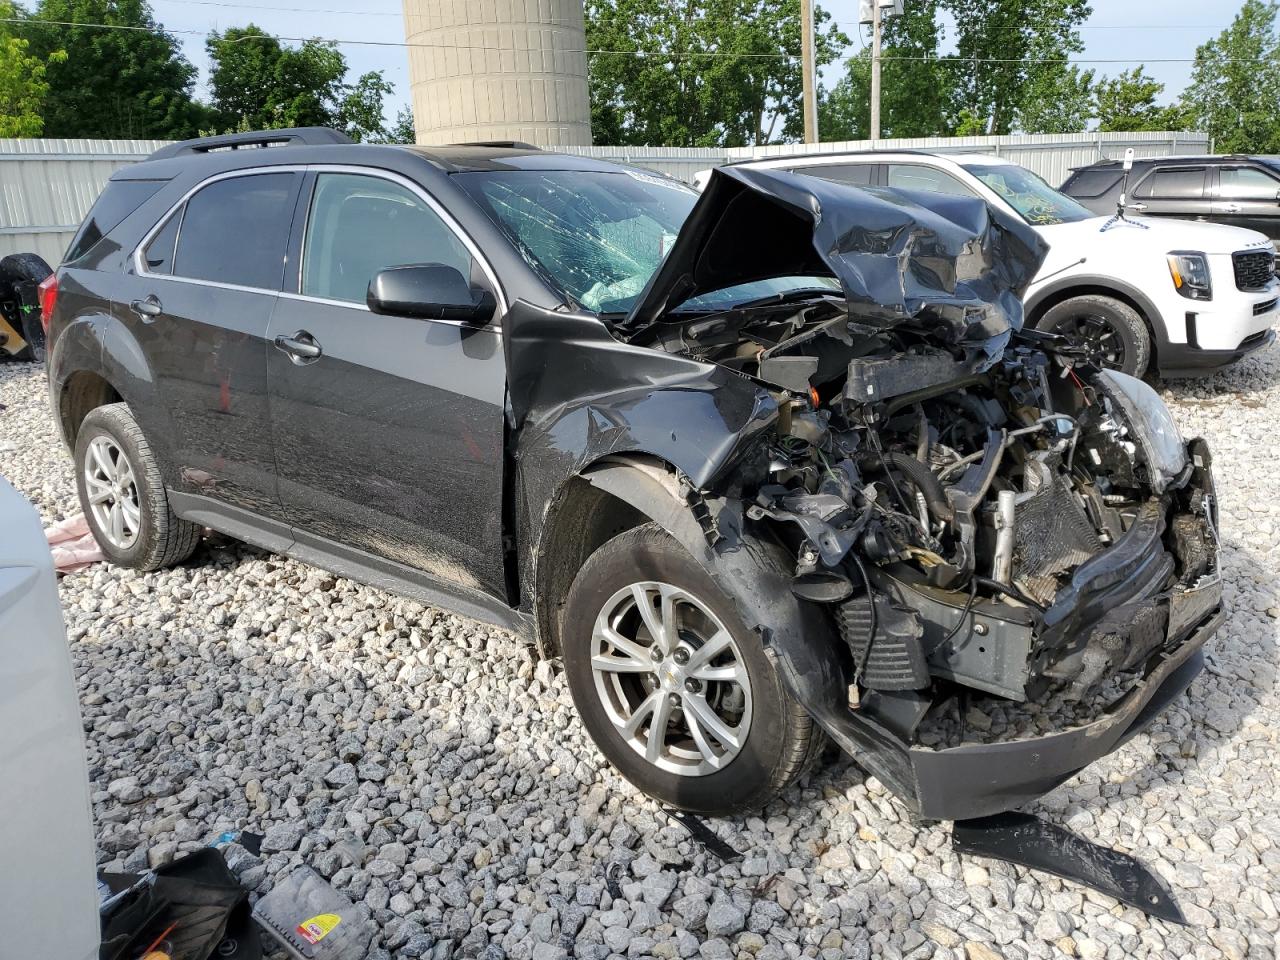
<point x="436" y="772"/>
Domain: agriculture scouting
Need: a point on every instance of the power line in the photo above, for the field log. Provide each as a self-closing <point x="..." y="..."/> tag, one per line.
<point x="845" y="23"/>
<point x="259" y="6"/>
<point x="642" y="54"/>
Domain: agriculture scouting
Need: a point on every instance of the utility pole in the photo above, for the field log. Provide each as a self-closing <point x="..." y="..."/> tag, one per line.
<point x="875" y="69"/>
<point x="809" y="80"/>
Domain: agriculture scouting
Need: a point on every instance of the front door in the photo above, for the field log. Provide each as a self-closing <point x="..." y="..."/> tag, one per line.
<point x="1248" y="197"/>
<point x="199" y="305"/>
<point x="388" y="430"/>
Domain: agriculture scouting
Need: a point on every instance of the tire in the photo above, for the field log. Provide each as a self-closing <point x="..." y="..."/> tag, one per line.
<point x="777" y="740"/>
<point x="1090" y="317"/>
<point x="151" y="535"/>
<point x="20" y="274"/>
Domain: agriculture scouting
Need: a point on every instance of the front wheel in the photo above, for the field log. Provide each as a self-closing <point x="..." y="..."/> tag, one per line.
<point x="1114" y="332"/>
<point x="675" y="690"/>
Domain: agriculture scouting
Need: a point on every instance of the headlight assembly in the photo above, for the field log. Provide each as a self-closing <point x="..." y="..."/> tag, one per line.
<point x="1190" y="273"/>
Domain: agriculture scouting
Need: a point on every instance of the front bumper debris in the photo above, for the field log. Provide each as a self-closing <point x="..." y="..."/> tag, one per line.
<point x="1031" y="842"/>
<point x="983" y="779"/>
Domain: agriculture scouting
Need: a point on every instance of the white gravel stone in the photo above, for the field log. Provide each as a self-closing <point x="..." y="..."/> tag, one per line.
<point x="442" y="778"/>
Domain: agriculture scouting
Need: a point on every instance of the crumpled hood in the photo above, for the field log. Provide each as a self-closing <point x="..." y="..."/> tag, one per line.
<point x="1162" y="235"/>
<point x="952" y="264"/>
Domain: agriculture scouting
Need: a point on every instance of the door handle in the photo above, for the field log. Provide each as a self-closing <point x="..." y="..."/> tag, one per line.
<point x="1231" y="208"/>
<point x="148" y="309"/>
<point x="301" y="347"/>
<point x="1139" y="207"/>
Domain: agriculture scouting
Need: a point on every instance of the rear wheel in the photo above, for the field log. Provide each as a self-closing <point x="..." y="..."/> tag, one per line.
<point x="675" y="690"/>
<point x="1110" y="328"/>
<point x="123" y="496"/>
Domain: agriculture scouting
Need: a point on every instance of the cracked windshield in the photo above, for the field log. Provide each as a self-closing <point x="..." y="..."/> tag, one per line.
<point x="599" y="237"/>
<point x="1039" y="204"/>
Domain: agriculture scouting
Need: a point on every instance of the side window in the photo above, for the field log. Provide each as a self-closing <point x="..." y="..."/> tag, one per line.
<point x="1091" y="183"/>
<point x="858" y="174"/>
<point x="236" y="231"/>
<point x="1246" y="183"/>
<point x="913" y="176"/>
<point x="159" y="253"/>
<point x="1179" y="183"/>
<point x="359" y="225"/>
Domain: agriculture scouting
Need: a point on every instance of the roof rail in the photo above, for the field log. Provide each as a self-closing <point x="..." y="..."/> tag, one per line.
<point x="256" y="139"/>
<point x="498" y="144"/>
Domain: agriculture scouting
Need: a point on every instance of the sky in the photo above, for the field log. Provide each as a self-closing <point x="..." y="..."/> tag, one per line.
<point x="1132" y="31"/>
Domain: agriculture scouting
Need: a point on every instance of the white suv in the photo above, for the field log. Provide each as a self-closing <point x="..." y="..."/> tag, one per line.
<point x="1179" y="297"/>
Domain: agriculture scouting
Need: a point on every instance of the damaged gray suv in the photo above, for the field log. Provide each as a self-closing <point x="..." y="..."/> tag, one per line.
<point x="765" y="467"/>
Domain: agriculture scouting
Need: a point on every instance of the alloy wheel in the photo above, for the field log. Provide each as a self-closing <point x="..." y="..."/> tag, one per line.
<point x="112" y="492"/>
<point x="1098" y="335"/>
<point x="671" y="678"/>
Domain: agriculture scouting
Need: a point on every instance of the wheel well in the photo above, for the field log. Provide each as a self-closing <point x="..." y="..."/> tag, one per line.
<point x="83" y="391"/>
<point x="583" y="519"/>
<point x="1066" y="293"/>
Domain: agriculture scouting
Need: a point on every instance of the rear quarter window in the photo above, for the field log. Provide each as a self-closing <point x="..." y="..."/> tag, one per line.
<point x="1090" y="183"/>
<point x="118" y="199"/>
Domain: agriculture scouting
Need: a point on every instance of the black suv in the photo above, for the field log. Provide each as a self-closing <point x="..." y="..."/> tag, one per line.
<point x="1236" y="190"/>
<point x="762" y="465"/>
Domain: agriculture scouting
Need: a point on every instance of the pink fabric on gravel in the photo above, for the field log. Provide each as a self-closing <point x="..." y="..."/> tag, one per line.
<point x="72" y="545"/>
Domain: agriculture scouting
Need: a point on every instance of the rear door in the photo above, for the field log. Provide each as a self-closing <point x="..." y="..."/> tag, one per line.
<point x="1180" y="192"/>
<point x="390" y="438"/>
<point x="205" y="282"/>
<point x="1248" y="196"/>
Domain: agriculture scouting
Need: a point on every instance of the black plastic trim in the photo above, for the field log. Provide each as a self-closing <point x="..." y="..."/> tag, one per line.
<point x="347" y="561"/>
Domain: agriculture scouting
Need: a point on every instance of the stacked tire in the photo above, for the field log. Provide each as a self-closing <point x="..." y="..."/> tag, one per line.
<point x="20" y="275"/>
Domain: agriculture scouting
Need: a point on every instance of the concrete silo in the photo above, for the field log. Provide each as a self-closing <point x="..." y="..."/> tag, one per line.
<point x="498" y="70"/>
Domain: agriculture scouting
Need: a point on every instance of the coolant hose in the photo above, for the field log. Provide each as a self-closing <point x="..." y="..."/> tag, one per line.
<point x="926" y="482"/>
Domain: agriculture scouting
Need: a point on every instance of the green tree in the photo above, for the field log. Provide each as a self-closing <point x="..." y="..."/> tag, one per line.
<point x="1235" y="84"/>
<point x="23" y="87"/>
<point x="402" y="130"/>
<point x="360" y="113"/>
<point x="1011" y="71"/>
<point x="1057" y="101"/>
<point x="258" y="83"/>
<point x="1128" y="102"/>
<point x="132" y="83"/>
<point x="915" y="99"/>
<point x="700" y="72"/>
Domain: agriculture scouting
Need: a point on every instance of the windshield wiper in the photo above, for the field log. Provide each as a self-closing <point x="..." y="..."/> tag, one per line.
<point x="773" y="300"/>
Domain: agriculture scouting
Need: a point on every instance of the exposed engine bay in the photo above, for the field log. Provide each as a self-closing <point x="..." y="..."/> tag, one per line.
<point x="1023" y="528"/>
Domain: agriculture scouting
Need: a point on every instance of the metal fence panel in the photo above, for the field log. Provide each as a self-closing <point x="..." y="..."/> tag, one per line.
<point x="47" y="186"/>
<point x="1050" y="155"/>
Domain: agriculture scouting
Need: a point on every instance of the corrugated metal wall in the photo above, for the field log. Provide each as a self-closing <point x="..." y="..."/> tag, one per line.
<point x="47" y="186"/>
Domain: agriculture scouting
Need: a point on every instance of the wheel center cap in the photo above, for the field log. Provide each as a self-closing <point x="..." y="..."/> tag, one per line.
<point x="669" y="674"/>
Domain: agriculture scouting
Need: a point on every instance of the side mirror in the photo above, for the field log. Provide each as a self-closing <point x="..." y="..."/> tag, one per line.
<point x="428" y="291"/>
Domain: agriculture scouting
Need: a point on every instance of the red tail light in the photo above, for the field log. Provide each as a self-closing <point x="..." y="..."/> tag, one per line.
<point x="48" y="298"/>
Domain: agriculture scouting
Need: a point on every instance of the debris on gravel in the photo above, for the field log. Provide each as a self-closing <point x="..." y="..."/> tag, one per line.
<point x="434" y="772"/>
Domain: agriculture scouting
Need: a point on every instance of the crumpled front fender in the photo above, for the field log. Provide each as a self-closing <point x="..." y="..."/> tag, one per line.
<point x="756" y="574"/>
